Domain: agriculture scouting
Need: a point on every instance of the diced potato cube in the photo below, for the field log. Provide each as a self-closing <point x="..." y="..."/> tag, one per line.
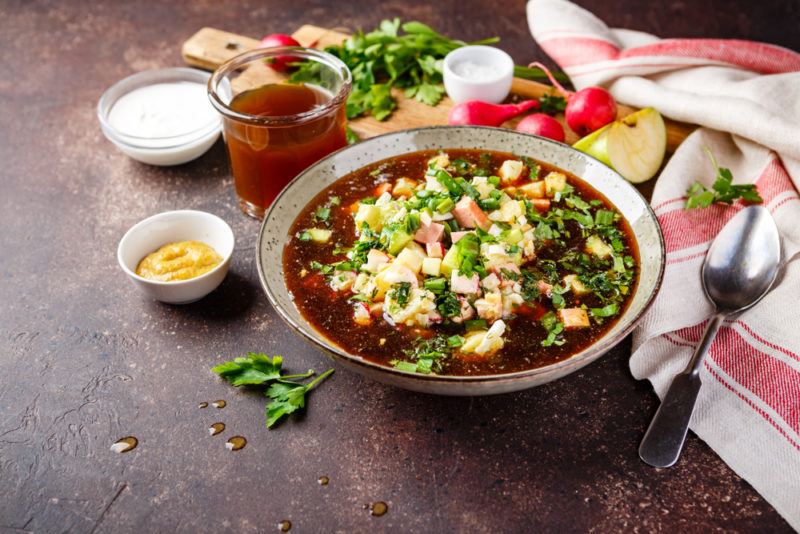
<point x="573" y="318"/>
<point x="404" y="187"/>
<point x="410" y="259"/>
<point x="510" y="170"/>
<point x="370" y="214"/>
<point x="471" y="341"/>
<point x="511" y="210"/>
<point x="417" y="249"/>
<point x="554" y="182"/>
<point x="482" y="185"/>
<point x="578" y="288"/>
<point x="440" y="161"/>
<point x="595" y="245"/>
<point x="534" y="189"/>
<point x="431" y="266"/>
<point x="375" y="260"/>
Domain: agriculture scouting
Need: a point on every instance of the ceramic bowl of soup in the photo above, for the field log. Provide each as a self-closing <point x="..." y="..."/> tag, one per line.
<point x="461" y="260"/>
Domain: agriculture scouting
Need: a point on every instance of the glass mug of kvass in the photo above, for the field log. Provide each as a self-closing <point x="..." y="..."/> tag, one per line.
<point x="282" y="109"/>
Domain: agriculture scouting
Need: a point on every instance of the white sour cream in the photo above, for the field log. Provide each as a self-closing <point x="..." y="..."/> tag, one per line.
<point x="162" y="110"/>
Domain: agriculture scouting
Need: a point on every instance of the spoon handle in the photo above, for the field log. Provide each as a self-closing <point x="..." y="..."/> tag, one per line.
<point x="663" y="441"/>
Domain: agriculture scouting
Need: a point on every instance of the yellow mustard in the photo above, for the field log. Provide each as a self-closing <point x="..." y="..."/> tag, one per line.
<point x="179" y="261"/>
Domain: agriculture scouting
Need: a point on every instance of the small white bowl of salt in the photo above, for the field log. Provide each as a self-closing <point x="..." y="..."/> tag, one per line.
<point x="160" y="117"/>
<point x="478" y="73"/>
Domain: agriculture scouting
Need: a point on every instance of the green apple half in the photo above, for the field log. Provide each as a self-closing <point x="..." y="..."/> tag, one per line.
<point x="633" y="146"/>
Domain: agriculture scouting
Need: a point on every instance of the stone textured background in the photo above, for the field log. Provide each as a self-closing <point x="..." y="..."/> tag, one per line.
<point x="85" y="360"/>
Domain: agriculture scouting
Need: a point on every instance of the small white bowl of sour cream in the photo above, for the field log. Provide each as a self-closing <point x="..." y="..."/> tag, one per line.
<point x="478" y="73"/>
<point x="174" y="227"/>
<point x="160" y="117"/>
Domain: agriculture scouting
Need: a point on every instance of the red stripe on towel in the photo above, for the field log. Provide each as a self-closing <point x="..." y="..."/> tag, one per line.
<point x="571" y="51"/>
<point x="758" y="57"/>
<point x="776" y="383"/>
<point x="747" y="401"/>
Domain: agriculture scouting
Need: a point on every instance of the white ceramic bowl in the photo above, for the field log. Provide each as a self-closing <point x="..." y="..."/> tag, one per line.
<point x="285" y="208"/>
<point x="168" y="227"/>
<point x="488" y="88"/>
<point x="172" y="150"/>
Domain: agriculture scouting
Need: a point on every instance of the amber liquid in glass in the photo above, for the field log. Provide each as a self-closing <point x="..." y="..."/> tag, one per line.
<point x="265" y="158"/>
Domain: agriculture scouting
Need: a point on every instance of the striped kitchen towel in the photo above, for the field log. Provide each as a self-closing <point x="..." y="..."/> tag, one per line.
<point x="746" y="97"/>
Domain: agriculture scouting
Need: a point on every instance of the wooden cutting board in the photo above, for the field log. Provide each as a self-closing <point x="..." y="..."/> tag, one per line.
<point x="209" y="48"/>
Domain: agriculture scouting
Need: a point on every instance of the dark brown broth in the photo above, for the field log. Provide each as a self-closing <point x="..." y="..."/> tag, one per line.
<point x="332" y="315"/>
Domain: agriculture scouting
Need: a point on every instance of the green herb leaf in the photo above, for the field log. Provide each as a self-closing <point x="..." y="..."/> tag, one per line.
<point x="722" y="190"/>
<point x="288" y="397"/>
<point x="351" y="137"/>
<point x="253" y="369"/>
<point x="405" y="56"/>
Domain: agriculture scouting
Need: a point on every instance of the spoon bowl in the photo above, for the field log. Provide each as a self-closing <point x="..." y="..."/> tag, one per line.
<point x="743" y="261"/>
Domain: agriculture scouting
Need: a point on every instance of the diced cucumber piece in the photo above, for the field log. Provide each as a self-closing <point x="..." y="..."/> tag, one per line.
<point x="451" y="261"/>
<point x="319" y="235"/>
<point x="398" y="240"/>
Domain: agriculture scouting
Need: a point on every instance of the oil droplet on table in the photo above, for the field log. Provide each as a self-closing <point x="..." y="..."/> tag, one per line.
<point x="378" y="508"/>
<point x="125" y="444"/>
<point x="323" y="480"/>
<point x="219" y="404"/>
<point x="216" y="428"/>
<point x="285" y="525"/>
<point x="235" y="443"/>
<point x="203" y="405"/>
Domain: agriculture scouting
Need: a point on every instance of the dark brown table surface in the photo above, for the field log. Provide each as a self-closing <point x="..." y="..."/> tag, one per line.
<point x="85" y="360"/>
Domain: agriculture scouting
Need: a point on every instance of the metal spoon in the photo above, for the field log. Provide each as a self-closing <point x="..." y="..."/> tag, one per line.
<point x="738" y="271"/>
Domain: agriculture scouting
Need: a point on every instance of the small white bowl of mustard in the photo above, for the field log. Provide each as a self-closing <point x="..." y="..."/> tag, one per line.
<point x="177" y="257"/>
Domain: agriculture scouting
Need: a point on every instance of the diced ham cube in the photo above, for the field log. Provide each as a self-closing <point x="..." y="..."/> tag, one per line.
<point x="469" y="215"/>
<point x="434" y="250"/>
<point x="429" y="233"/>
<point x="465" y="285"/>
<point x="540" y="204"/>
<point x="456" y="236"/>
<point x="574" y="318"/>
<point x="467" y="311"/>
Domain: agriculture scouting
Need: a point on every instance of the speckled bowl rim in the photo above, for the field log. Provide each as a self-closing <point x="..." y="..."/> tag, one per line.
<point x="590" y="353"/>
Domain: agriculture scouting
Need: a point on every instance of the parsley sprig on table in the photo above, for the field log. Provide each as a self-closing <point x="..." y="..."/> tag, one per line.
<point x="257" y="369"/>
<point x="722" y="190"/>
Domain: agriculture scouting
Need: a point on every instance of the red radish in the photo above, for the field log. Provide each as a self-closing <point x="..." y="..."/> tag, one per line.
<point x="542" y="124"/>
<point x="478" y="113"/>
<point x="279" y="63"/>
<point x="587" y="110"/>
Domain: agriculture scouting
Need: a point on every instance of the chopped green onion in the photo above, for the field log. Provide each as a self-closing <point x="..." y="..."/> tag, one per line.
<point x="435" y="284"/>
<point x="445" y="205"/>
<point x="604" y="218"/>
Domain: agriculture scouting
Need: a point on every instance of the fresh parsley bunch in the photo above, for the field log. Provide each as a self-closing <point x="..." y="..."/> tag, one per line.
<point x="384" y="58"/>
<point x="257" y="369"/>
<point x="722" y="190"/>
